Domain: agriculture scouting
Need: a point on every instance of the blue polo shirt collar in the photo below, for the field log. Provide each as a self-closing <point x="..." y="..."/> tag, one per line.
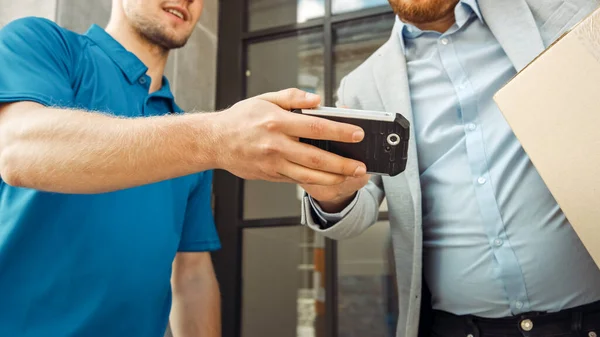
<point x="131" y="65"/>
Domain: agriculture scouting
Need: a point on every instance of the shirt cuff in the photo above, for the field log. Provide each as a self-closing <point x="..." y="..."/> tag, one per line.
<point x="329" y="219"/>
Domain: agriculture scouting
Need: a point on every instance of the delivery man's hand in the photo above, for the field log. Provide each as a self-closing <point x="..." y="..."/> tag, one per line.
<point x="334" y="199"/>
<point x="260" y="140"/>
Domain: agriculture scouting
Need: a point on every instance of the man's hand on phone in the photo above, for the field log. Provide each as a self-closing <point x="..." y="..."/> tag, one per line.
<point x="260" y="140"/>
<point x="334" y="199"/>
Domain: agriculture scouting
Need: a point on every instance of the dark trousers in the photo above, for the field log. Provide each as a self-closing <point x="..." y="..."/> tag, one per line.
<point x="582" y="321"/>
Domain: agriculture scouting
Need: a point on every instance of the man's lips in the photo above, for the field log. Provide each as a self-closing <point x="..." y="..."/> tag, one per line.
<point x="178" y="12"/>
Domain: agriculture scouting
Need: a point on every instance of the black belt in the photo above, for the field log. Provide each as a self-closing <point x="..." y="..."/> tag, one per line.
<point x="579" y="321"/>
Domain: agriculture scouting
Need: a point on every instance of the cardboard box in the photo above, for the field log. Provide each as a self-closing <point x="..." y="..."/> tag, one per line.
<point x="553" y="107"/>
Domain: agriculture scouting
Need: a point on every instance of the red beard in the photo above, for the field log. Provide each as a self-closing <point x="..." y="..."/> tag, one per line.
<point x="422" y="11"/>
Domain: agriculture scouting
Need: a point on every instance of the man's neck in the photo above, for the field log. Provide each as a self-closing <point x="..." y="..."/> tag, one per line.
<point x="441" y="25"/>
<point x="153" y="57"/>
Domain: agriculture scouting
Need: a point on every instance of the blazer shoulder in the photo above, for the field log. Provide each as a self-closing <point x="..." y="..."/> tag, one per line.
<point x="366" y="67"/>
<point x="361" y="80"/>
<point x="543" y="9"/>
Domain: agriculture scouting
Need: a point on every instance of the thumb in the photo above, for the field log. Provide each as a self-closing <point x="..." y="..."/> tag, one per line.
<point x="292" y="99"/>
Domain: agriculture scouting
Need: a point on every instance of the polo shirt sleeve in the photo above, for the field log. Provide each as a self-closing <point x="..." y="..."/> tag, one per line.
<point x="199" y="231"/>
<point x="36" y="62"/>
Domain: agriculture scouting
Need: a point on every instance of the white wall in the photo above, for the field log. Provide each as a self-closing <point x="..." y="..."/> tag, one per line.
<point x="11" y="10"/>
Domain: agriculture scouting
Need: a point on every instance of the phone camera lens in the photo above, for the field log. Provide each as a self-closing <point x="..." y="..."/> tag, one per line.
<point x="393" y="139"/>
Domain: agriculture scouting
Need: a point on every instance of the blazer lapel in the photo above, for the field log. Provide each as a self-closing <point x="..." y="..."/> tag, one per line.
<point x="512" y="22"/>
<point x="391" y="78"/>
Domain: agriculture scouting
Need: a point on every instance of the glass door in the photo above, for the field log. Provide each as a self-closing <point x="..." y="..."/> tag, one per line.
<point x="279" y="278"/>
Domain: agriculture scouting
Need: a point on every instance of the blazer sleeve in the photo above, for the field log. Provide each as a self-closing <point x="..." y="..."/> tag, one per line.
<point x="361" y="213"/>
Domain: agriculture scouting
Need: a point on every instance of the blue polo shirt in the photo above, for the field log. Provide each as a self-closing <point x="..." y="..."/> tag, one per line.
<point x="91" y="265"/>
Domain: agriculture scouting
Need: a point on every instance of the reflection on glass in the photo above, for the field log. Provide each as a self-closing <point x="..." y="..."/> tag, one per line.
<point x="343" y="6"/>
<point x="366" y="289"/>
<point x="274" y="65"/>
<point x="264" y="14"/>
<point x="283" y="293"/>
<point x="355" y="41"/>
<point x="288" y="62"/>
<point x="267" y="200"/>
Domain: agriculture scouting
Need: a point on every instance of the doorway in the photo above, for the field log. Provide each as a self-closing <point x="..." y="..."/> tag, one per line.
<point x="277" y="277"/>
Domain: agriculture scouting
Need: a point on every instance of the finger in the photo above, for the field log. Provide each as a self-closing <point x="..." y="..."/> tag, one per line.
<point x="349" y="186"/>
<point x="303" y="175"/>
<point x="282" y="179"/>
<point x="355" y="184"/>
<point x="292" y="99"/>
<point x="275" y="178"/>
<point x="317" y="159"/>
<point x="301" y="126"/>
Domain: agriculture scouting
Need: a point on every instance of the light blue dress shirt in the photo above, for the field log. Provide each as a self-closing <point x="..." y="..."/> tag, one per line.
<point x="496" y="243"/>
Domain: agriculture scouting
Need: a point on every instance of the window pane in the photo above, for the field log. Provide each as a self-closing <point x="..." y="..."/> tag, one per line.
<point x="355" y="41"/>
<point x="283" y="284"/>
<point x="272" y="13"/>
<point x="295" y="61"/>
<point x="366" y="289"/>
<point x="343" y="6"/>
<point x="267" y="200"/>
<point x="274" y="65"/>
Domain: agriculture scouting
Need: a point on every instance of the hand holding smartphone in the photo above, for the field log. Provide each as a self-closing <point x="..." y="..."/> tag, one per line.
<point x="384" y="149"/>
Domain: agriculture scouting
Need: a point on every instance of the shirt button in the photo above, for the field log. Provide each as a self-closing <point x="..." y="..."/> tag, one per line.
<point x="444" y="41"/>
<point x="498" y="242"/>
<point x="471" y="126"/>
<point x="142" y="80"/>
<point x="481" y="180"/>
<point x="519" y="304"/>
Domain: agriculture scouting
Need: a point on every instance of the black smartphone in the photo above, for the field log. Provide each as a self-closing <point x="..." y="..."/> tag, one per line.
<point x="384" y="150"/>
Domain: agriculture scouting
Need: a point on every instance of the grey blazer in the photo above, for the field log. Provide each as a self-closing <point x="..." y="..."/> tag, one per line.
<point x="524" y="28"/>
